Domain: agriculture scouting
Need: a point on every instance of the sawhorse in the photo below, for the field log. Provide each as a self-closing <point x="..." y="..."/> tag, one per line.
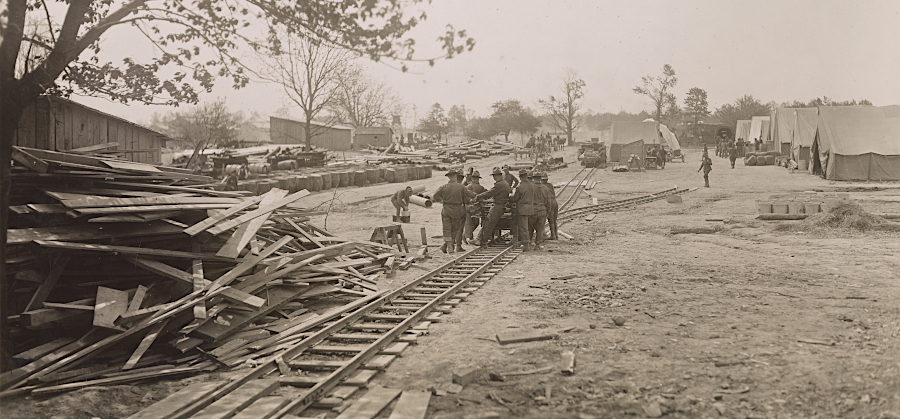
<point x="390" y="235"/>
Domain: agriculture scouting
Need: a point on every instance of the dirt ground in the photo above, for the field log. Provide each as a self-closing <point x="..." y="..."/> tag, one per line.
<point x="715" y="325"/>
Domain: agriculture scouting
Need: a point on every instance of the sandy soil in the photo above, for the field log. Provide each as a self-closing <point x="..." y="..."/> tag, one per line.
<point x="714" y="323"/>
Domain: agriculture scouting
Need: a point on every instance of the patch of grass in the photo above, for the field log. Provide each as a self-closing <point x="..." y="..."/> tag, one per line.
<point x="847" y="216"/>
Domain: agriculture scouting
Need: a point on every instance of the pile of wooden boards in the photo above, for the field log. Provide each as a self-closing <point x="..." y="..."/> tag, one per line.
<point x="135" y="273"/>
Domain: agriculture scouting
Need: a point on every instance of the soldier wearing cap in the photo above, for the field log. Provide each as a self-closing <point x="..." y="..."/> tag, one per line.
<point x="553" y="209"/>
<point x="500" y="194"/>
<point x="509" y="177"/>
<point x="454" y="197"/>
<point x="473" y="217"/>
<point x="524" y="199"/>
<point x="541" y="202"/>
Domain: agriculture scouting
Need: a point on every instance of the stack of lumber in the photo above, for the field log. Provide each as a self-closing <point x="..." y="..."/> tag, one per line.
<point x="116" y="281"/>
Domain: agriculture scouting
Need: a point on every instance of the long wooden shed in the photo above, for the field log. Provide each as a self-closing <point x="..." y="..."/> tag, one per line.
<point x="289" y="131"/>
<point x="54" y="123"/>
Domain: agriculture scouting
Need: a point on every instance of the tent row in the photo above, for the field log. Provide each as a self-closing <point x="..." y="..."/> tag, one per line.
<point x="841" y="142"/>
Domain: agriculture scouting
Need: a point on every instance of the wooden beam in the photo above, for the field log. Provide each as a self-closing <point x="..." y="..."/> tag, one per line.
<point x="174" y="403"/>
<point x="57" y="265"/>
<point x="170" y="272"/>
<point x="199" y="283"/>
<point x="144" y="345"/>
<point x="28" y="160"/>
<point x="247" y="264"/>
<point x="370" y="404"/>
<point x="220" y="228"/>
<point x="239" y="239"/>
<point x="130" y="250"/>
<point x="89" y="232"/>
<point x="211" y="221"/>
<point x="160" y="200"/>
<point x="412" y="405"/>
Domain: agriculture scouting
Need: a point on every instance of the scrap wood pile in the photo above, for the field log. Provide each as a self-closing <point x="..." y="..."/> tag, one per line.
<point x="132" y="273"/>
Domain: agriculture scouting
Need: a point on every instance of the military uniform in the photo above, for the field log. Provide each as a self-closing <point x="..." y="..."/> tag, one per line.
<point x="473" y="218"/>
<point x="400" y="200"/>
<point x="510" y="178"/>
<point x="553" y="210"/>
<point x="706" y="166"/>
<point x="524" y="200"/>
<point x="537" y="221"/>
<point x="500" y="194"/>
<point x="454" y="197"/>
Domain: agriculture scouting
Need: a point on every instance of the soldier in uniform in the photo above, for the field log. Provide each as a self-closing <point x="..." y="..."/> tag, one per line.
<point x="454" y="197"/>
<point x="500" y="194"/>
<point x="509" y="178"/>
<point x="706" y="166"/>
<point x="473" y="218"/>
<point x="541" y="202"/>
<point x="400" y="199"/>
<point x="553" y="209"/>
<point x="524" y="200"/>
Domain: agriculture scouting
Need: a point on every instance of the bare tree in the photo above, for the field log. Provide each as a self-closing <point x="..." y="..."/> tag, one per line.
<point x="310" y="73"/>
<point x="363" y="101"/>
<point x="565" y="110"/>
<point x="657" y="89"/>
<point x="208" y="124"/>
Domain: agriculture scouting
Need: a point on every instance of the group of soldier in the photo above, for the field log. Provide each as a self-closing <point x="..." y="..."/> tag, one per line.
<point x="463" y="198"/>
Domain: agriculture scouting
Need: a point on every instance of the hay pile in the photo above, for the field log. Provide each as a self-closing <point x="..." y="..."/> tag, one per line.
<point x="845" y="216"/>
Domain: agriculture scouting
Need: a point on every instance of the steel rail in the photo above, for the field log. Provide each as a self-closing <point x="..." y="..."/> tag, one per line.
<point x="578" y="188"/>
<point x="609" y="206"/>
<point x="366" y="306"/>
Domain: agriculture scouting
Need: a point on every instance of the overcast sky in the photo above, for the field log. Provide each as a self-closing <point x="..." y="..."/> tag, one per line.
<point x="775" y="50"/>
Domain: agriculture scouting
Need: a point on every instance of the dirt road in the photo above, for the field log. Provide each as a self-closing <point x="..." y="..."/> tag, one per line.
<point x="751" y="321"/>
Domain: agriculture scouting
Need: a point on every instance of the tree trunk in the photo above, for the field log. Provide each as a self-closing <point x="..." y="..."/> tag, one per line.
<point x="12" y="104"/>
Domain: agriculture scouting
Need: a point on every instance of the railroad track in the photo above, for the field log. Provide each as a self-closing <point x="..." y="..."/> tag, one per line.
<point x="344" y="353"/>
<point x="571" y="214"/>
<point x="578" y="187"/>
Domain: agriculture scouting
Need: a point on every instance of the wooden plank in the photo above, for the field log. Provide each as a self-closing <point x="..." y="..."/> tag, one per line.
<point x="148" y="340"/>
<point x="370" y="404"/>
<point x="177" y="401"/>
<point x="529" y="335"/>
<point x="263" y="408"/>
<point x="304" y="233"/>
<point x="116" y="380"/>
<point x="130" y="250"/>
<point x="42" y="125"/>
<point x="211" y="221"/>
<point x="168" y="271"/>
<point x="111" y="303"/>
<point x="199" y="283"/>
<point x="101" y="146"/>
<point x="237" y="400"/>
<point x="138" y="298"/>
<point x="29" y="161"/>
<point x="69" y="306"/>
<point x="138" y="167"/>
<point x="213" y="331"/>
<point x="222" y="227"/>
<point x="170" y="188"/>
<point x="412" y="405"/>
<point x="149" y="208"/>
<point x="157" y="200"/>
<point x="247" y="264"/>
<point x="39" y="351"/>
<point x="15" y="376"/>
<point x="42" y="318"/>
<point x="89" y="232"/>
<point x="57" y="265"/>
<point x="239" y="239"/>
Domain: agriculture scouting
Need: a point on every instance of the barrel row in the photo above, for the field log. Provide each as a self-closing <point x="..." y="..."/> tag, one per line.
<point x="335" y="179"/>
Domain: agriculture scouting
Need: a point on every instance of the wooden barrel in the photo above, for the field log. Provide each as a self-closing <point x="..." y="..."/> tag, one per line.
<point x="420" y="172"/>
<point x="259" y="168"/>
<point x="344" y="178"/>
<point x="315" y="182"/>
<point x="750" y="161"/>
<point x="401" y="174"/>
<point x="359" y="178"/>
<point x="293" y="183"/>
<point x="286" y="165"/>
<point x="249" y="186"/>
<point x="381" y="173"/>
<point x="233" y="169"/>
<point x="302" y="182"/>
<point x="427" y="171"/>
<point x="266" y="186"/>
<point x="389" y="175"/>
<point x="284" y="183"/>
<point x="372" y="176"/>
<point x="326" y="180"/>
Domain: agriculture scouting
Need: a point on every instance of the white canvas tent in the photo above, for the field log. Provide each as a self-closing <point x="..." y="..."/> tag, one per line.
<point x="857" y="143"/>
<point x="804" y="132"/>
<point x="742" y="130"/>
<point x="625" y="134"/>
<point x="670" y="138"/>
<point x="759" y="129"/>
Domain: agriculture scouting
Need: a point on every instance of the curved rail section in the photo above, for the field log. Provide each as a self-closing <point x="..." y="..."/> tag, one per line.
<point x="366" y="331"/>
<point x="578" y="185"/>
<point x="569" y="215"/>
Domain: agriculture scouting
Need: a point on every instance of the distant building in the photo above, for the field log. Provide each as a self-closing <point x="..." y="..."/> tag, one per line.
<point x="54" y="123"/>
<point x="289" y="131"/>
<point x="373" y="136"/>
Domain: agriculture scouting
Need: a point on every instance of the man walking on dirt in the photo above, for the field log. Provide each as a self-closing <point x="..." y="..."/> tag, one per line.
<point x="454" y="197"/>
<point x="524" y="200"/>
<point x="661" y="158"/>
<point x="732" y="155"/>
<point x="500" y="194"/>
<point x="473" y="216"/>
<point x="400" y="200"/>
<point x="553" y="210"/>
<point x="706" y="166"/>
